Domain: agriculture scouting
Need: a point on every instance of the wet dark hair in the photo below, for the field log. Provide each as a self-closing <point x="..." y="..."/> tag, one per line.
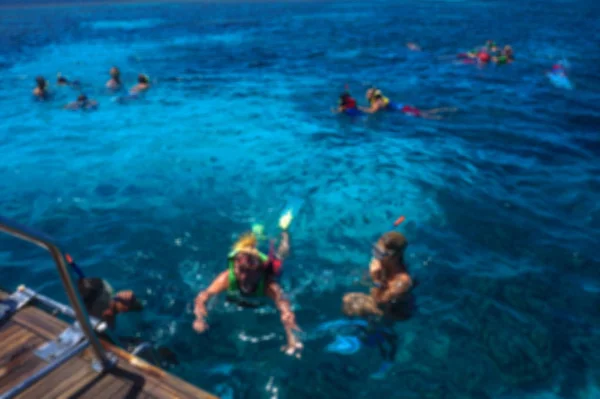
<point x="344" y="97"/>
<point x="82" y="97"/>
<point x="117" y="74"/>
<point x="90" y="289"/>
<point x="62" y="79"/>
<point x="142" y="79"/>
<point x="41" y="82"/>
<point x="394" y="241"/>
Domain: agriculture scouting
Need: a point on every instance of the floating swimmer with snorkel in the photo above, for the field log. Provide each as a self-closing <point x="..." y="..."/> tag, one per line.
<point x="378" y="102"/>
<point x="390" y="300"/>
<point x="347" y="105"/>
<point x="252" y="274"/>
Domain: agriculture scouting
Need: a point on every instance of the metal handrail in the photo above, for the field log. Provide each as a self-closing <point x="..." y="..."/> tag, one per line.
<point x="27" y="234"/>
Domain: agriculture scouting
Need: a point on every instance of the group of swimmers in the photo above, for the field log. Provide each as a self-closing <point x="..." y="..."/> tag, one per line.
<point x="378" y="102"/>
<point x="252" y="274"/>
<point x="114" y="84"/>
<point x="490" y="52"/>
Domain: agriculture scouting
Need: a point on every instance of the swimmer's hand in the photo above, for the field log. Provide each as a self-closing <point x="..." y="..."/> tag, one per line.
<point x="285" y="220"/>
<point x="200" y="325"/>
<point x="293" y="348"/>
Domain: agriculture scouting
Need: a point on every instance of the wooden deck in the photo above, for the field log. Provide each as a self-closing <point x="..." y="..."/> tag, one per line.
<point x="31" y="327"/>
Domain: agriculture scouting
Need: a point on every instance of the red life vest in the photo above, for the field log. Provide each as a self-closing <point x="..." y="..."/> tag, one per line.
<point x="350" y="103"/>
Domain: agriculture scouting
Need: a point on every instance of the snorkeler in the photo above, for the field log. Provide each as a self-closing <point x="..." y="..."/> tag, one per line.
<point x="389" y="301"/>
<point x="391" y="280"/>
<point x="389" y="273"/>
<point x="378" y="102"/>
<point x="390" y="296"/>
<point x="347" y="105"/>
<point x="41" y="89"/>
<point x="142" y="85"/>
<point x="250" y="274"/>
<point x="99" y="298"/>
<point x="114" y="82"/>
<point x="100" y="302"/>
<point x="506" y="56"/>
<point x="82" y="102"/>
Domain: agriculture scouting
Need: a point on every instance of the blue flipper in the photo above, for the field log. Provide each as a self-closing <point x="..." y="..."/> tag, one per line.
<point x="344" y="345"/>
<point x="383" y="369"/>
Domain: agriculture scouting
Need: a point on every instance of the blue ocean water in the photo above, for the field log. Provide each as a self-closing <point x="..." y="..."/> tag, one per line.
<point x="502" y="199"/>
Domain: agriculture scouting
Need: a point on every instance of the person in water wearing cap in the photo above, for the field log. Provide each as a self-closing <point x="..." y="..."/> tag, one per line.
<point x="142" y="85"/>
<point x="379" y="102"/>
<point x="506" y="56"/>
<point x="252" y="274"/>
<point x="114" y="83"/>
<point x="83" y="102"/>
<point x="41" y="89"/>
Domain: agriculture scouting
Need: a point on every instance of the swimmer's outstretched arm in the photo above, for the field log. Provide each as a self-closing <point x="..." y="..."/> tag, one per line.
<point x="376" y="106"/>
<point x="219" y="285"/>
<point x="284" y="246"/>
<point x="288" y="318"/>
<point x="370" y="110"/>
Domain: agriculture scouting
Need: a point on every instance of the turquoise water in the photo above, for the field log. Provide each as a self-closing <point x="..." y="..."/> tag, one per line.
<point x="501" y="198"/>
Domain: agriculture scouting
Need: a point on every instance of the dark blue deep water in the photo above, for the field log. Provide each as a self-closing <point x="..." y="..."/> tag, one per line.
<point x="502" y="198"/>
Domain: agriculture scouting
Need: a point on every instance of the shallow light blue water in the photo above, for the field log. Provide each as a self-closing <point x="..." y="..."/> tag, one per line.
<point x="501" y="199"/>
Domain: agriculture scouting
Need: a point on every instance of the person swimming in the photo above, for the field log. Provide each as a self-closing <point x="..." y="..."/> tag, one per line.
<point x="392" y="283"/>
<point x="250" y="274"/>
<point x="389" y="301"/>
<point x="347" y="105"/>
<point x="82" y="102"/>
<point x="506" y="56"/>
<point x="142" y="85"/>
<point x="41" y="89"/>
<point x="114" y="83"/>
<point x="379" y="102"/>
<point x="101" y="302"/>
